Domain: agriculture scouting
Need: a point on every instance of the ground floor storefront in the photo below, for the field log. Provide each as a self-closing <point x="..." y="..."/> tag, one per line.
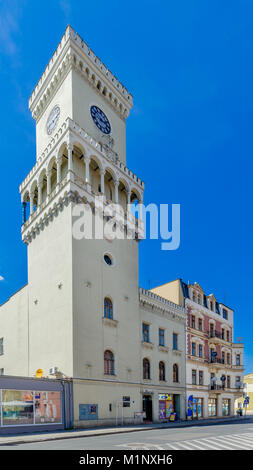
<point x="35" y="404"/>
<point x="32" y="405"/>
<point x="209" y="405"/>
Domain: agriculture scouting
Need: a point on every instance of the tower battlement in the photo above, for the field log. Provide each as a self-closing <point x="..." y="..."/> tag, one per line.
<point x="73" y="50"/>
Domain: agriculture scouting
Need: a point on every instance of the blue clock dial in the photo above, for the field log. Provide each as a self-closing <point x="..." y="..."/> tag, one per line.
<point x="100" y="119"/>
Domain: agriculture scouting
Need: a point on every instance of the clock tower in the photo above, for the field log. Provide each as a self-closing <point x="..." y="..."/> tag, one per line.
<point x="80" y="109"/>
<point x="77" y="85"/>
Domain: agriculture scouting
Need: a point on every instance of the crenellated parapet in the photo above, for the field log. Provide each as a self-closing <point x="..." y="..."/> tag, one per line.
<point x="163" y="306"/>
<point x="73" y="52"/>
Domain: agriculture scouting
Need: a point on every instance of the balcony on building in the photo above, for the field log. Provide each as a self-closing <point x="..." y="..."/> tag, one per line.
<point x="217" y="335"/>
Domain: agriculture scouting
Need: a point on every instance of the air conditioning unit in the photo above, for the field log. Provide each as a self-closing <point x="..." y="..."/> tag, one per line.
<point x="53" y="370"/>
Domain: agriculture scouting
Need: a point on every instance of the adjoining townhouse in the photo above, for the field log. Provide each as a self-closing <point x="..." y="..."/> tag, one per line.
<point x="247" y="392"/>
<point x="214" y="363"/>
<point x="82" y="316"/>
<point x="163" y="326"/>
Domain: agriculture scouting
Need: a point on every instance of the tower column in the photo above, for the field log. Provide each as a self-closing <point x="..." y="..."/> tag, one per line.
<point x="49" y="182"/>
<point x="58" y="163"/>
<point x="31" y="202"/>
<point x="87" y="172"/>
<point x="116" y="191"/>
<point x="39" y="193"/>
<point x="70" y="158"/>
<point x="102" y="180"/>
<point x="128" y="196"/>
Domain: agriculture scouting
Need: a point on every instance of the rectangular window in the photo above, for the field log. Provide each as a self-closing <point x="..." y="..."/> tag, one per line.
<point x="228" y="381"/>
<point x="228" y="336"/>
<point x="175" y="341"/>
<point x="192" y="321"/>
<point x="1" y="346"/>
<point x="47" y="407"/>
<point x="197" y="407"/>
<point x="161" y="337"/>
<point x="200" y="324"/>
<point x="238" y="382"/>
<point x="226" y="407"/>
<point x="200" y="350"/>
<point x="223" y="357"/>
<point x="222" y="334"/>
<point x="22" y="407"/>
<point x="193" y="349"/>
<point x="225" y="313"/>
<point x="213" y="355"/>
<point x="194" y="377"/>
<point x="228" y="358"/>
<point x="201" y="377"/>
<point x="238" y="359"/>
<point x="145" y="332"/>
<point x="212" y="407"/>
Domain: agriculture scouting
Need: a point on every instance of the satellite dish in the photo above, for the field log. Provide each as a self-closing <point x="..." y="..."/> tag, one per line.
<point x="39" y="373"/>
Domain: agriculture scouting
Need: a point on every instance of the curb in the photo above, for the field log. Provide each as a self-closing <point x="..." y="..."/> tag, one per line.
<point x="108" y="432"/>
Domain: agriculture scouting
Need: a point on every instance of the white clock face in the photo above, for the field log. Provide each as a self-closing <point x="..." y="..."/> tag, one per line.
<point x="53" y="119"/>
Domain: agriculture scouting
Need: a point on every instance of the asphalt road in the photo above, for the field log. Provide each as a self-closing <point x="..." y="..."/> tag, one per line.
<point x="223" y="436"/>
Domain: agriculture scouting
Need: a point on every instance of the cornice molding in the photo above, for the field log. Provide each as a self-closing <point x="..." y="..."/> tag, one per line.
<point x="72" y="132"/>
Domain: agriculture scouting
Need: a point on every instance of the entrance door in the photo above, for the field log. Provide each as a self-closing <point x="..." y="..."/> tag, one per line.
<point x="147" y="407"/>
<point x="176" y="404"/>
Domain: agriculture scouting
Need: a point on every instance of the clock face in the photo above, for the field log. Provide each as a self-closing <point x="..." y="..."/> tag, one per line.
<point x="100" y="119"/>
<point x="53" y="119"/>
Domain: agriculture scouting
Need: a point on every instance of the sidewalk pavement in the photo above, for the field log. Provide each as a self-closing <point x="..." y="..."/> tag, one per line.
<point x="8" y="439"/>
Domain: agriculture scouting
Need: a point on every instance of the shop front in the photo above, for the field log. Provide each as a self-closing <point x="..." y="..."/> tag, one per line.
<point x="28" y="404"/>
<point x="169" y="406"/>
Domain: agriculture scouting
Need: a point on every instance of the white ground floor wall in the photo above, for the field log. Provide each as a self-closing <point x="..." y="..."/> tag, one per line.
<point x="98" y="403"/>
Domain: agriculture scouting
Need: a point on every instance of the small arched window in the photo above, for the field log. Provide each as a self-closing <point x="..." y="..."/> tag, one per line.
<point x="175" y="373"/>
<point x="146" y="369"/>
<point x="161" y="371"/>
<point x="109" y="363"/>
<point x="108" y="308"/>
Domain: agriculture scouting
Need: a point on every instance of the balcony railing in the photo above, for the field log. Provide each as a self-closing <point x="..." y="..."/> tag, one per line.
<point x="217" y="334"/>
<point x="216" y="387"/>
<point x="216" y="360"/>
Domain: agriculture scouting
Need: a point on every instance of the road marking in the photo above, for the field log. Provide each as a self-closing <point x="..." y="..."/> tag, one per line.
<point x="244" y="440"/>
<point x="230" y="442"/>
<point x="185" y="446"/>
<point x="213" y="447"/>
<point x="195" y="445"/>
<point x="225" y="441"/>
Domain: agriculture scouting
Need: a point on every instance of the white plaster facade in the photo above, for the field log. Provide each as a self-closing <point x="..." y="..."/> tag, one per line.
<point x="57" y="320"/>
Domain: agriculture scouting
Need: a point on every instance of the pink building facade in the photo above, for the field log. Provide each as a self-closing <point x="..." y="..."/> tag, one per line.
<point x="214" y="362"/>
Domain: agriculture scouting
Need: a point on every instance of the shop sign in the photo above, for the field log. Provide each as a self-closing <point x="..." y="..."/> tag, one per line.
<point x="164" y="396"/>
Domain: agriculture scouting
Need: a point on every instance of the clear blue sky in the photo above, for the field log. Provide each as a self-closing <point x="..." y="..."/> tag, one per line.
<point x="189" y="65"/>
